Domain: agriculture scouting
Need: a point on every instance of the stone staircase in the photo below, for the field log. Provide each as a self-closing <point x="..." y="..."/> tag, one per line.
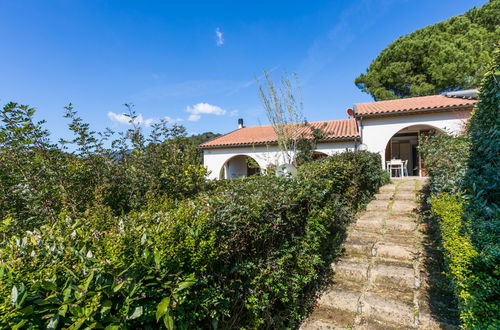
<point x="380" y="282"/>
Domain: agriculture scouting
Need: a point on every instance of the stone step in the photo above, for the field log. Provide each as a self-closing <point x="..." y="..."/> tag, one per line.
<point x="403" y="206"/>
<point x="406" y="217"/>
<point x="384" y="196"/>
<point x="362" y="235"/>
<point x="375" y="283"/>
<point x="374" y="215"/>
<point x="406" y="188"/>
<point x="355" y="247"/>
<point x="373" y="224"/>
<point x="396" y="252"/>
<point x="389" y="312"/>
<point x="387" y="188"/>
<point x="338" y="298"/>
<point x="313" y="324"/>
<point x="352" y="269"/>
<point x="399" y="238"/>
<point x="404" y="196"/>
<point x="400" y="226"/>
<point x="336" y="307"/>
<point x="396" y="278"/>
<point x="378" y="205"/>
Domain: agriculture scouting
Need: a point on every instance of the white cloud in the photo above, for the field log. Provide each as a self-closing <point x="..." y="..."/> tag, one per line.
<point x="204" y="108"/>
<point x="220" y="39"/>
<point x="194" y="117"/>
<point x="139" y="120"/>
<point x="171" y="120"/>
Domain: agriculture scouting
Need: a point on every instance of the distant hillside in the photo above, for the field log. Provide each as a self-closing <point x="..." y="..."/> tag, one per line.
<point x="449" y="55"/>
<point x="203" y="137"/>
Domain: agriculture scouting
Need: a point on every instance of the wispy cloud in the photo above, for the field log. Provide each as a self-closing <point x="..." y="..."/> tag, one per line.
<point x="204" y="109"/>
<point x="139" y="119"/>
<point x="219" y="37"/>
<point x="172" y="120"/>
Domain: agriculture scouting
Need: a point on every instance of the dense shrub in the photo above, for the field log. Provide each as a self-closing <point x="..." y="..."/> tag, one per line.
<point x="446" y="158"/>
<point x="246" y="254"/>
<point x="465" y="182"/>
<point x="40" y="179"/>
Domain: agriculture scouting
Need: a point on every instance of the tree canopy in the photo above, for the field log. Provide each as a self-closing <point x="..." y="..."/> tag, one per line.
<point x="450" y="55"/>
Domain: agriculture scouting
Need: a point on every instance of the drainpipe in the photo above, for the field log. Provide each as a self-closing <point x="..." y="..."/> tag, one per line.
<point x="352" y="112"/>
<point x="361" y="129"/>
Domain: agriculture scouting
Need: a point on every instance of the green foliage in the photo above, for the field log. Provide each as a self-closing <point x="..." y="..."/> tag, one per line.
<point x="104" y="270"/>
<point x="484" y="160"/>
<point x="450" y="55"/>
<point x="306" y="144"/>
<point x="475" y="273"/>
<point x="482" y="188"/>
<point x="466" y="169"/>
<point x="203" y="137"/>
<point x="244" y="253"/>
<point x="39" y="180"/>
<point x="445" y="158"/>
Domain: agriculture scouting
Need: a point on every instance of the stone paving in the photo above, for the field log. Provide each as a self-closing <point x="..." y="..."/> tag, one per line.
<point x="380" y="281"/>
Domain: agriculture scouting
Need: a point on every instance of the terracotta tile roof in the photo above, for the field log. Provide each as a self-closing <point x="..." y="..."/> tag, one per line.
<point x="433" y="102"/>
<point x="335" y="129"/>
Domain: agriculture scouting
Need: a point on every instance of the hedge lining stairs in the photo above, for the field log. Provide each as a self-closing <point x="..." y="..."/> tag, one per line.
<point x="381" y="281"/>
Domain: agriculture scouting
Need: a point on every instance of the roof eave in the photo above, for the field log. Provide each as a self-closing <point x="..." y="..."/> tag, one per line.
<point x="242" y="145"/>
<point x="404" y="112"/>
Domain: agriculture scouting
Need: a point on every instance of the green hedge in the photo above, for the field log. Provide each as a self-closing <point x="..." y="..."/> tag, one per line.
<point x="465" y="178"/>
<point x="247" y="253"/>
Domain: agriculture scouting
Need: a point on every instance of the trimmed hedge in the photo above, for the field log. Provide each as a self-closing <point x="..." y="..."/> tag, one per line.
<point x="465" y="184"/>
<point x="246" y="254"/>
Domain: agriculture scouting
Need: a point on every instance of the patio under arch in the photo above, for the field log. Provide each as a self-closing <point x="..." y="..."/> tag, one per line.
<point x="404" y="146"/>
<point x="239" y="166"/>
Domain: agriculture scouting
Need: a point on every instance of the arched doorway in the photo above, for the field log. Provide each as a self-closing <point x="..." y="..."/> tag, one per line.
<point x="239" y="166"/>
<point x="404" y="146"/>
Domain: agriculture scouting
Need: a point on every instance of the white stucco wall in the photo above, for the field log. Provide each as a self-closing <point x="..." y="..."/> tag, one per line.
<point x="214" y="159"/>
<point x="376" y="132"/>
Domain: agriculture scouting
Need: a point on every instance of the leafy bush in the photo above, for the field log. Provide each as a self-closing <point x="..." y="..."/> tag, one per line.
<point x="464" y="179"/>
<point x="39" y="179"/>
<point x="483" y="183"/>
<point x="247" y="253"/>
<point x="446" y="158"/>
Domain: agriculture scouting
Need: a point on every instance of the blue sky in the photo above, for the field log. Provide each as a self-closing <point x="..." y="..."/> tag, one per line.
<point x="195" y="61"/>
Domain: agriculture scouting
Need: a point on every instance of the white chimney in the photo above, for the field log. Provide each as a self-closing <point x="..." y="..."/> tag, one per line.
<point x="240" y="123"/>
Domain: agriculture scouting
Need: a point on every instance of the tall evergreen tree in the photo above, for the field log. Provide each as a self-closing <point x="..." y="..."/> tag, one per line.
<point x="450" y="55"/>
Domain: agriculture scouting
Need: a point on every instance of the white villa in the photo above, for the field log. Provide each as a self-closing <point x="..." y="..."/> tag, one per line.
<point x="392" y="128"/>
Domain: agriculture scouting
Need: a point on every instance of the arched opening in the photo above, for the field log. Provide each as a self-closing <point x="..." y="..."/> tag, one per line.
<point x="319" y="154"/>
<point x="239" y="166"/>
<point x="403" y="146"/>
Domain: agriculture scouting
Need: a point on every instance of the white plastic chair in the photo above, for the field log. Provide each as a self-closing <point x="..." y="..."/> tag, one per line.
<point x="405" y="167"/>
<point x="396" y="164"/>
